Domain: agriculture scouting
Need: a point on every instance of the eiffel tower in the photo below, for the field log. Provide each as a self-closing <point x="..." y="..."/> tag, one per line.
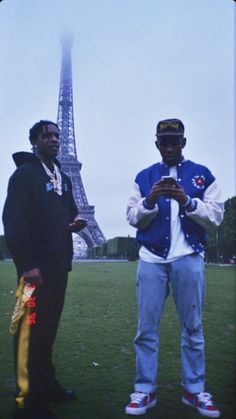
<point x="92" y="234"/>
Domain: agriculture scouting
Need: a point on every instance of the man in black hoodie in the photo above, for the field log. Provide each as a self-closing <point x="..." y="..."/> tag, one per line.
<point x="39" y="216"/>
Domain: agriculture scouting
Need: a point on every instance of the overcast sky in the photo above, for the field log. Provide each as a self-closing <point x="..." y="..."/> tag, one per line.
<point x="134" y="62"/>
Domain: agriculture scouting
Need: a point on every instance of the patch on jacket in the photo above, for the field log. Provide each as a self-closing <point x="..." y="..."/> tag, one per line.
<point x="198" y="181"/>
<point x="49" y="187"/>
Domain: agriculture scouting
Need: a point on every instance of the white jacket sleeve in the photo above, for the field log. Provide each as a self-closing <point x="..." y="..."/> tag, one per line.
<point x="137" y="215"/>
<point x="210" y="211"/>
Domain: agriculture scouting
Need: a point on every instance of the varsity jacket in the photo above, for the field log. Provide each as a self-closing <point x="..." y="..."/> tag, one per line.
<point x="36" y="219"/>
<point x="153" y="225"/>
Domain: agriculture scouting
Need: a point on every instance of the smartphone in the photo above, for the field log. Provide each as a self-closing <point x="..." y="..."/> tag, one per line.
<point x="169" y="179"/>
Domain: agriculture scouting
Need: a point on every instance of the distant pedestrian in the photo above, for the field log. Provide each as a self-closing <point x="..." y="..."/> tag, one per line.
<point x="172" y="204"/>
<point x="39" y="216"/>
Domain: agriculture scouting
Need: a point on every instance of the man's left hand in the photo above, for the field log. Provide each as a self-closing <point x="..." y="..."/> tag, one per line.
<point x="177" y="192"/>
<point x="77" y="225"/>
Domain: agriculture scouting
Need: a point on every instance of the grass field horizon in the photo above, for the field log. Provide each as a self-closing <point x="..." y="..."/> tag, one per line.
<point x="94" y="354"/>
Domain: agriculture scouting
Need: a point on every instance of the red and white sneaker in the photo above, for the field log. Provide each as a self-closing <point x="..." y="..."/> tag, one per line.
<point x="202" y="402"/>
<point x="140" y="403"/>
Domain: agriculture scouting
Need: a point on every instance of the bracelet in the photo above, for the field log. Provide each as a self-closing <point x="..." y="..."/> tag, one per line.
<point x="189" y="201"/>
<point x="190" y="205"/>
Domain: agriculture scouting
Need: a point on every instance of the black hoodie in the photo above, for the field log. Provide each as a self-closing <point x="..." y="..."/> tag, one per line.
<point x="36" y="219"/>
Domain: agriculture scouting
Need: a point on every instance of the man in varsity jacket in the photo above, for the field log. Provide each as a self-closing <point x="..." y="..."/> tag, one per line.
<point x="172" y="204"/>
<point x="39" y="216"/>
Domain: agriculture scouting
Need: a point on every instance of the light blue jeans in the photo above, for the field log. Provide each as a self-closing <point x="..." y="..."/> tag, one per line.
<point x="185" y="277"/>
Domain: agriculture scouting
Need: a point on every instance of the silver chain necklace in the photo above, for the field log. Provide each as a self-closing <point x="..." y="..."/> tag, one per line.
<point x="55" y="178"/>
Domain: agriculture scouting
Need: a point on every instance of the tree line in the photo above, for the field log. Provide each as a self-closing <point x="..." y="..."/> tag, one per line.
<point x="221" y="246"/>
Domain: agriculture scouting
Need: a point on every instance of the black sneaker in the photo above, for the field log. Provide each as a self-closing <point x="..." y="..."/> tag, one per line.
<point x="19" y="413"/>
<point x="40" y="412"/>
<point x="58" y="394"/>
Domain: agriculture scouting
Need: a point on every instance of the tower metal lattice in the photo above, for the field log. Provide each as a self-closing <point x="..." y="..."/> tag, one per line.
<point x="92" y="234"/>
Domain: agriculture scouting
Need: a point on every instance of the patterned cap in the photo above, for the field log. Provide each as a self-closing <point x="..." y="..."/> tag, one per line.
<point x="170" y="127"/>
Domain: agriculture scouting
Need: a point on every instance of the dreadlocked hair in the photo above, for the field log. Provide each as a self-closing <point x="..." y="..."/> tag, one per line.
<point x="37" y="129"/>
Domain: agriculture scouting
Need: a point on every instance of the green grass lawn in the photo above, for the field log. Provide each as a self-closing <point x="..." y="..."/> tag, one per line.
<point x="94" y="350"/>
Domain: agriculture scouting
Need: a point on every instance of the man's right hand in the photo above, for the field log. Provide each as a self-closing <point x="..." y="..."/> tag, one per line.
<point x="158" y="189"/>
<point x="169" y="190"/>
<point x="33" y="276"/>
